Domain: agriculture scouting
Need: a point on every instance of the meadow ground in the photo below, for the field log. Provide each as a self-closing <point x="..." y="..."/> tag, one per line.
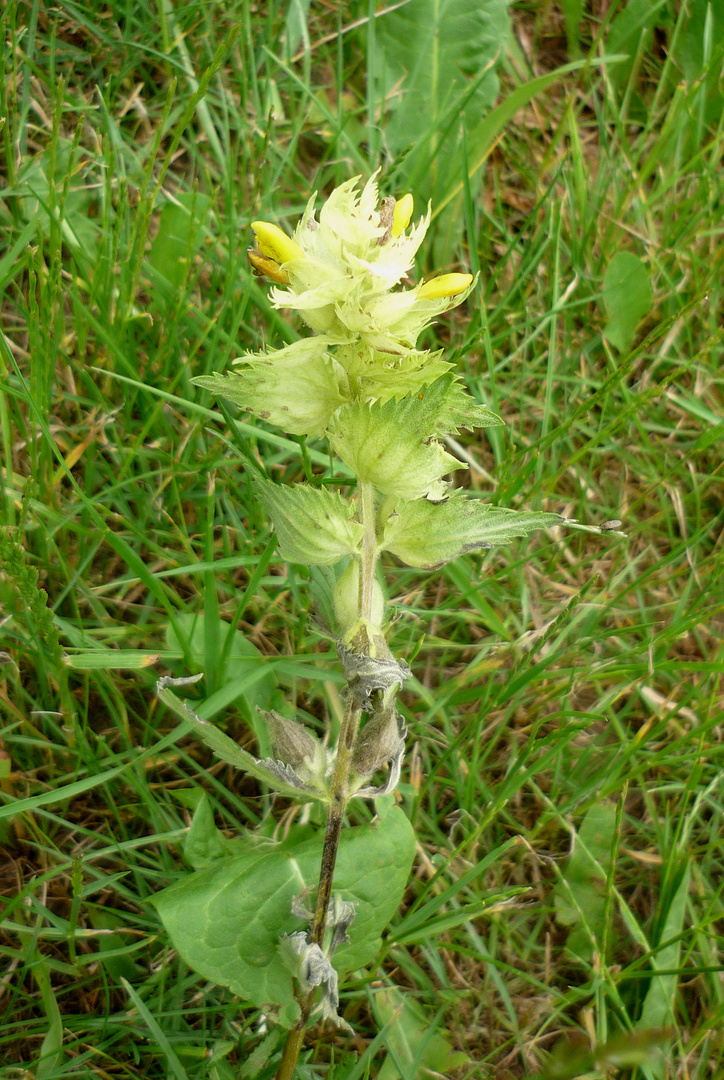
<point x="564" y="770"/>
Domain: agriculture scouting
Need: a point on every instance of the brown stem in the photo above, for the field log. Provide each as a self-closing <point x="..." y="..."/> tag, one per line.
<point x="339" y="796"/>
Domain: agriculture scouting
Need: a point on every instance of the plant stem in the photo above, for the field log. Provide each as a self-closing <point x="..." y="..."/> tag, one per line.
<point x="339" y="792"/>
<point x="369" y="548"/>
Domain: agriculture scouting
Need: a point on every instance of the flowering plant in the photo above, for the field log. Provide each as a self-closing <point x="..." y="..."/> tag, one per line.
<point x="385" y="407"/>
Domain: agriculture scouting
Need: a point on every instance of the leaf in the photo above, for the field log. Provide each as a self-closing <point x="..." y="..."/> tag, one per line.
<point x="314" y="525"/>
<point x="111" y="660"/>
<point x="205" y="843"/>
<point x="627" y="298"/>
<point x="113" y="949"/>
<point x="296" y="25"/>
<point x="157" y="1034"/>
<point x="585" y="876"/>
<point x="572" y="1056"/>
<point x="427" y="535"/>
<point x="280" y="777"/>
<point x="178" y="237"/>
<point x="227" y="921"/>
<point x="419" y="1048"/>
<point x="428" y="54"/>
<point x="572" y="14"/>
<point x="630" y="33"/>
<point x="391" y="445"/>
<point x="658" y="1008"/>
<point x="242" y="659"/>
<point x="52" y="1055"/>
<point x="297" y="387"/>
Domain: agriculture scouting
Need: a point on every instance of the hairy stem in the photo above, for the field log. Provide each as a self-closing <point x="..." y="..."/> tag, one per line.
<point x="339" y="793"/>
<point x="369" y="548"/>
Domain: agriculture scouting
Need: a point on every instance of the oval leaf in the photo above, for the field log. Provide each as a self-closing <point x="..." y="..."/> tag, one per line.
<point x="627" y="298"/>
<point x="227" y="921"/>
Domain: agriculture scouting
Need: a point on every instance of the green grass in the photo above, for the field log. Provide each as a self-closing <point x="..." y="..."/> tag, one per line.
<point x="566" y="676"/>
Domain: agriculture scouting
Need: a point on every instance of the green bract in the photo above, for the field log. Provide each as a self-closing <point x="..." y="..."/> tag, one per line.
<point x="297" y="387"/>
<point x="426" y="535"/>
<point x="392" y="447"/>
<point x="314" y="525"/>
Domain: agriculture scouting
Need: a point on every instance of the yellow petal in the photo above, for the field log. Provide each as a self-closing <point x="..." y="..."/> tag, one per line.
<point x="445" y="285"/>
<point x="274" y="243"/>
<point x="265" y="267"/>
<point x="402" y="215"/>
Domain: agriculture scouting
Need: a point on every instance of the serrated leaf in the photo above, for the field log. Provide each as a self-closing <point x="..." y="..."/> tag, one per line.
<point x="627" y="298"/>
<point x="227" y="921"/>
<point x="391" y="445"/>
<point x="427" y="535"/>
<point x="297" y="387"/>
<point x="459" y="410"/>
<point x="314" y="525"/>
<point x="278" y="776"/>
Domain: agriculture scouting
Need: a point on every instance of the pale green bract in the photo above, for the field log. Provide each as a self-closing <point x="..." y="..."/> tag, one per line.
<point x="426" y="535"/>
<point x="314" y="525"/>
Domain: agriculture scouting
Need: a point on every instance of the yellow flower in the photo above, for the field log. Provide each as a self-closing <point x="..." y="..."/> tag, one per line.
<point x="402" y="214"/>
<point x="445" y="285"/>
<point x="274" y="243"/>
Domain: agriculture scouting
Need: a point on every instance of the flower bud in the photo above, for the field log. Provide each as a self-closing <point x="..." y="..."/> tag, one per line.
<point x="445" y="285"/>
<point x="291" y="743"/>
<point x="274" y="243"/>
<point x="402" y="215"/>
<point x="346" y="599"/>
<point x="378" y="741"/>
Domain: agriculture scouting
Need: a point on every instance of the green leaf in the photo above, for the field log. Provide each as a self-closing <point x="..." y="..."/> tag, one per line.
<point x="205" y="843"/>
<point x="459" y="410"/>
<point x="51" y="1051"/>
<point x="572" y="1056"/>
<point x="627" y="298"/>
<point x="419" y="1048"/>
<point x="295" y="27"/>
<point x="297" y="387"/>
<point x="111" y="660"/>
<point x="279" y="776"/>
<point x="113" y="949"/>
<point x="178" y="236"/>
<point x="314" y="525"/>
<point x="157" y="1034"/>
<point x="428" y="54"/>
<point x="658" y="1008"/>
<point x="582" y="896"/>
<point x="391" y="445"/>
<point x="227" y="921"/>
<point x="427" y="535"/>
<point x="238" y="660"/>
<point x="572" y="14"/>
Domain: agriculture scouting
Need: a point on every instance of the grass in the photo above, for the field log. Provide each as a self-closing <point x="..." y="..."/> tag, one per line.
<point x="569" y="686"/>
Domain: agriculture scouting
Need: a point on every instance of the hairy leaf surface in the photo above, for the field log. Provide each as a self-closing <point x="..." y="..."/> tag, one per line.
<point x="427" y="535"/>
